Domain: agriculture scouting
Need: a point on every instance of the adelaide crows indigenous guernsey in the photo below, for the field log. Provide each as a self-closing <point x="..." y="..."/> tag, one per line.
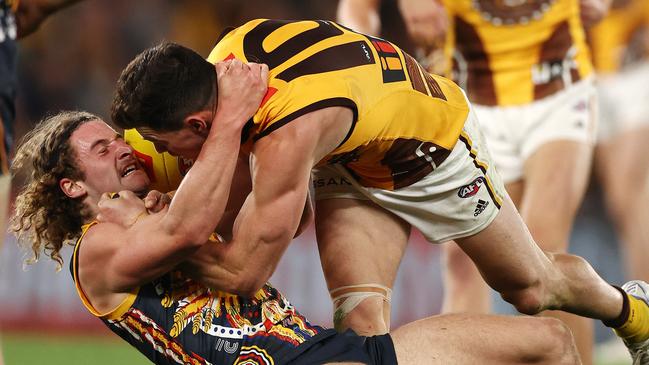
<point x="175" y="320"/>
<point x="515" y="52"/>
<point x="406" y="121"/>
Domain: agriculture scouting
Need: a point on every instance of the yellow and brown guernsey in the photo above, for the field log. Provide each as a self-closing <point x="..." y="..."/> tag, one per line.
<point x="406" y="121"/>
<point x="175" y="320"/>
<point x="513" y="52"/>
<point x="622" y="38"/>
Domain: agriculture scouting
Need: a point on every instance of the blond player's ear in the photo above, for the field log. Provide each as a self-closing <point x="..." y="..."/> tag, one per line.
<point x="71" y="188"/>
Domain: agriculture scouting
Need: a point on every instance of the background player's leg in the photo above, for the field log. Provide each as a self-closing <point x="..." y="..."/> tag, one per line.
<point x="485" y="339"/>
<point x="622" y="164"/>
<point x="360" y="244"/>
<point x="465" y="291"/>
<point x="555" y="180"/>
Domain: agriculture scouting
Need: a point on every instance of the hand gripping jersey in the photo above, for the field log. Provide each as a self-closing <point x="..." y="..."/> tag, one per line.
<point x="622" y="38"/>
<point x="406" y="121"/>
<point x="512" y="52"/>
<point x="175" y="320"/>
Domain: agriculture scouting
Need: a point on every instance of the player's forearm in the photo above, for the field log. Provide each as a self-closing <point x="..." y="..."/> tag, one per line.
<point x="200" y="201"/>
<point x="360" y="15"/>
<point x="31" y="13"/>
<point x="261" y="235"/>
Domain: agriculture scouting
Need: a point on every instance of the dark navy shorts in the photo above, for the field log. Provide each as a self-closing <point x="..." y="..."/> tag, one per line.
<point x="331" y="346"/>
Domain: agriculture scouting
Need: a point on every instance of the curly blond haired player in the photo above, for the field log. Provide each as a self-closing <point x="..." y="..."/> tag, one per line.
<point x="403" y="147"/>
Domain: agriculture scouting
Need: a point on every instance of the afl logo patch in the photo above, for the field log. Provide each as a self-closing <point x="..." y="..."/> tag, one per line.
<point x="510" y="12"/>
<point x="471" y="189"/>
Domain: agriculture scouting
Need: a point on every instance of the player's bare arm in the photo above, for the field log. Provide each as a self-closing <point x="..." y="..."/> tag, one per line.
<point x="30" y="14"/>
<point x="592" y="11"/>
<point x="426" y="20"/>
<point x="360" y="15"/>
<point x="281" y="165"/>
<point x="141" y="247"/>
<point x="241" y="188"/>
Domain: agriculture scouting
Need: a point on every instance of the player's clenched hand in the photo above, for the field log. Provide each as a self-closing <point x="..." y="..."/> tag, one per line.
<point x="426" y="20"/>
<point x="124" y="208"/>
<point x="241" y="87"/>
<point x="155" y="201"/>
<point x="592" y="11"/>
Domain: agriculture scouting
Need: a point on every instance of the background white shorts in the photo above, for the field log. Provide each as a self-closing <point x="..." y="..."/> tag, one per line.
<point x="458" y="199"/>
<point x="623" y="101"/>
<point x="513" y="133"/>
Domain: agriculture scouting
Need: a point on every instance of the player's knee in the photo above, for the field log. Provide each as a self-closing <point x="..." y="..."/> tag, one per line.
<point x="365" y="308"/>
<point x="366" y="319"/>
<point x="556" y="342"/>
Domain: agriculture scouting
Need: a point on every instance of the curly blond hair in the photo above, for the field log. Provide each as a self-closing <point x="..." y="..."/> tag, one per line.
<point x="45" y="219"/>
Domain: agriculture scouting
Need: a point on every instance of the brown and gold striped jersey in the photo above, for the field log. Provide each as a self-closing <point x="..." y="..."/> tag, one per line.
<point x="622" y="38"/>
<point x="406" y="121"/>
<point x="512" y="52"/>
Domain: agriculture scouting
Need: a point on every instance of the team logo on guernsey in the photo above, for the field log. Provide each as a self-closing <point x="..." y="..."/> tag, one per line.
<point x="471" y="189"/>
<point x="510" y="12"/>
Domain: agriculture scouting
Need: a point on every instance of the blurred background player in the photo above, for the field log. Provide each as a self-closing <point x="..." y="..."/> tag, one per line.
<point x="18" y="18"/>
<point x="526" y="68"/>
<point x="620" y="49"/>
<point x="620" y="45"/>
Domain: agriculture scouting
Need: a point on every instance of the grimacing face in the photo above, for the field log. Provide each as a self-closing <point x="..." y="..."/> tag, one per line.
<point x="107" y="160"/>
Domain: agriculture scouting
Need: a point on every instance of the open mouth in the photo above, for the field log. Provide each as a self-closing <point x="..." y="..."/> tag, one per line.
<point x="129" y="169"/>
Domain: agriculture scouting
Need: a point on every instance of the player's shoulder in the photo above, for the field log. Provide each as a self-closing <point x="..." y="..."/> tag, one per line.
<point x="98" y="238"/>
<point x="229" y="44"/>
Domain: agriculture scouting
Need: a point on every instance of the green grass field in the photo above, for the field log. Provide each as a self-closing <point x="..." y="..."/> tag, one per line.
<point x="33" y="349"/>
<point x="21" y="349"/>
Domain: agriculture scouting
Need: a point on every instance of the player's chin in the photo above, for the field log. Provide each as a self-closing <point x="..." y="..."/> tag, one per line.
<point x="136" y="181"/>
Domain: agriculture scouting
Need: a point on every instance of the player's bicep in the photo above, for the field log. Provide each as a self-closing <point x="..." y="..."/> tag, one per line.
<point x="280" y="167"/>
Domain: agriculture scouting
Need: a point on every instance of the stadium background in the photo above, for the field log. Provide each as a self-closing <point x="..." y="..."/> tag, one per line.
<point x="73" y="63"/>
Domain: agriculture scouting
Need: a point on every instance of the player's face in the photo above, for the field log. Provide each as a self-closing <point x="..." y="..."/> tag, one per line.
<point x="185" y="142"/>
<point x="107" y="161"/>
